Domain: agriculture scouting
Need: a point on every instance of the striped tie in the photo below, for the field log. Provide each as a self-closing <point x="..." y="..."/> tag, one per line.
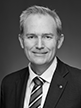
<point x="36" y="94"/>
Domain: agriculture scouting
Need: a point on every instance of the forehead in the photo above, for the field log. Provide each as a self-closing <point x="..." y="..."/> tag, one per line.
<point x="40" y="23"/>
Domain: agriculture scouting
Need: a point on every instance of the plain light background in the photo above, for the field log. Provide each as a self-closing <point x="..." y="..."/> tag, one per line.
<point x="12" y="57"/>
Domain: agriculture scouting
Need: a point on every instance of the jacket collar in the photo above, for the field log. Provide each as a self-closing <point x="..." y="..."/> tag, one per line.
<point x="58" y="85"/>
<point x="21" y="84"/>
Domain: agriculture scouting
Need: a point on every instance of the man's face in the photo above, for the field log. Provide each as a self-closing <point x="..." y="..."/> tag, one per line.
<point x="40" y="40"/>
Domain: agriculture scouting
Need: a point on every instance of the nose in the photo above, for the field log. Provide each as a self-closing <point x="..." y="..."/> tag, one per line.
<point x="39" y="44"/>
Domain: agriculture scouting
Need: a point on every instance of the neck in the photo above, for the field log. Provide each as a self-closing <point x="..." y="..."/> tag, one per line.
<point x="40" y="69"/>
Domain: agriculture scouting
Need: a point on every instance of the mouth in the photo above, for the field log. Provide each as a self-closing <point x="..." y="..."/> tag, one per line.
<point x="40" y="53"/>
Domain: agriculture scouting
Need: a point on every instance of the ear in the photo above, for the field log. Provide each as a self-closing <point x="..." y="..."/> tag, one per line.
<point x="60" y="41"/>
<point x="21" y="41"/>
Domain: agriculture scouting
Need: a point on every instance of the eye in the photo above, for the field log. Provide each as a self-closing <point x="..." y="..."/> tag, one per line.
<point x="30" y="36"/>
<point x="48" y="36"/>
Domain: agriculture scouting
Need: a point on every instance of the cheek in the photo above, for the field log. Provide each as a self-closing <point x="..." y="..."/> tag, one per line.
<point x="51" y="45"/>
<point x="28" y="44"/>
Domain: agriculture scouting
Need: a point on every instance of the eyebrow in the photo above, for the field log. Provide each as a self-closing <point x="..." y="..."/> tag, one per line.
<point x="48" y="34"/>
<point x="41" y="35"/>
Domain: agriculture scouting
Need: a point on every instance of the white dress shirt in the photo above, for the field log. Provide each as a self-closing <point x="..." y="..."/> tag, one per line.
<point x="47" y="76"/>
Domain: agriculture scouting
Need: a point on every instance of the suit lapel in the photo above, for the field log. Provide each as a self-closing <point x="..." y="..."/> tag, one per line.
<point x="57" y="86"/>
<point x="21" y="88"/>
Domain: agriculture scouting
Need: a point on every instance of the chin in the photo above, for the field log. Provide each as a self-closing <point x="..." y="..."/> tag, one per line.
<point x="38" y="62"/>
<point x="41" y="60"/>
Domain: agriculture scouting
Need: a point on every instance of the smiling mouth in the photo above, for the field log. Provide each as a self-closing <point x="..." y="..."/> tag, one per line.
<point x="40" y="53"/>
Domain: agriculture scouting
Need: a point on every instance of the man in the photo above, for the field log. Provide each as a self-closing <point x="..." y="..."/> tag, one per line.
<point x="46" y="82"/>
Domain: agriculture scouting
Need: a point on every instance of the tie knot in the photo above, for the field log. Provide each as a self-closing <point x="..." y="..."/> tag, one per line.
<point x="38" y="81"/>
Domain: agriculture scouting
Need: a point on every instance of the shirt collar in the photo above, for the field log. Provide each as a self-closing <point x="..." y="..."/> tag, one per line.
<point x="47" y="75"/>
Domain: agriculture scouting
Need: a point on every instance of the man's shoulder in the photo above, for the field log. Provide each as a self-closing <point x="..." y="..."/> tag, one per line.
<point x="73" y="69"/>
<point x="14" y="76"/>
<point x="73" y="72"/>
<point x="69" y="67"/>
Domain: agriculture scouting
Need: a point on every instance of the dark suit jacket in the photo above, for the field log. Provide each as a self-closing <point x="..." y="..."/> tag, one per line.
<point x="64" y="92"/>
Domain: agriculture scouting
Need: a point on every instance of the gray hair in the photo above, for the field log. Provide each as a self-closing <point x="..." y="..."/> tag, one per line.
<point x="40" y="10"/>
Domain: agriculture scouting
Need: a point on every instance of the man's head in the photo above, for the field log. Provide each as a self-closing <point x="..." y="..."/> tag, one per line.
<point x="40" y="35"/>
<point x="42" y="11"/>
